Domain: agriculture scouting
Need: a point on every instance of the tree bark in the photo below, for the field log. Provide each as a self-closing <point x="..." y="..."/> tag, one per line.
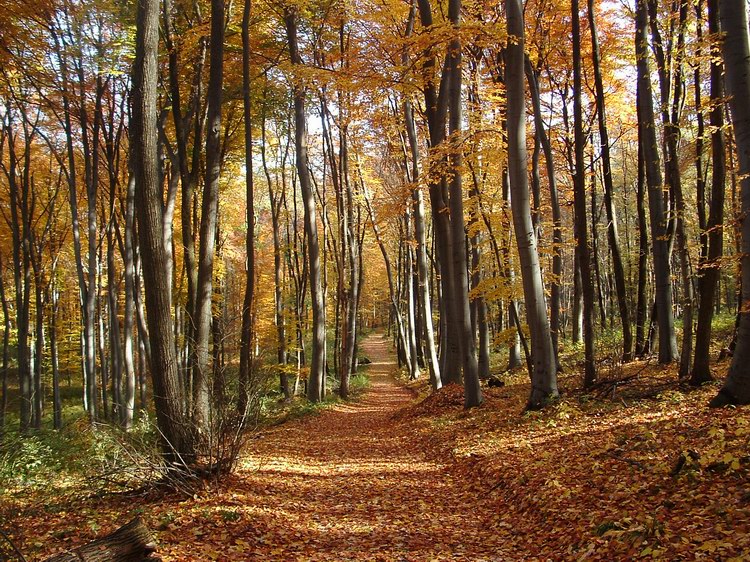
<point x="130" y="543"/>
<point x="711" y="265"/>
<point x="316" y="378"/>
<point x="579" y="204"/>
<point x="209" y="218"/>
<point x="736" y="54"/>
<point x="612" y="237"/>
<point x="177" y="440"/>
<point x="248" y="304"/>
<point x="544" y="375"/>
<point x="472" y="390"/>
<point x="658" y="217"/>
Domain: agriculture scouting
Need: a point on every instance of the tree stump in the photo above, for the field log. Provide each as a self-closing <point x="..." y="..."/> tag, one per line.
<point x="130" y="543"/>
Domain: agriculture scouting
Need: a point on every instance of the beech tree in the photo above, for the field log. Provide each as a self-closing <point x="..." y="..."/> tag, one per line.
<point x="178" y="441"/>
<point x="544" y="373"/>
<point x="736" y="54"/>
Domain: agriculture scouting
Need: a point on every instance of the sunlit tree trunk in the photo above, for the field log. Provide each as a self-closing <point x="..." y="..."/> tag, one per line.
<point x="541" y="133"/>
<point x="659" y="235"/>
<point x="316" y="378"/>
<point x="544" y="374"/>
<point x="423" y="294"/>
<point x="209" y="218"/>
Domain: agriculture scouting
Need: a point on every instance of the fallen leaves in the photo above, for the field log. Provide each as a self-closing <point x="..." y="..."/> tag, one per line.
<point x="388" y="479"/>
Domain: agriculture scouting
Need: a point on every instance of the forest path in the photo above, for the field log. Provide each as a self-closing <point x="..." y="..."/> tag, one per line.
<point x="353" y="483"/>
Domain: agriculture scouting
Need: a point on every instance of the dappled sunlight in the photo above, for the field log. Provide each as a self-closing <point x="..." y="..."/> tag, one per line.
<point x="354" y="484"/>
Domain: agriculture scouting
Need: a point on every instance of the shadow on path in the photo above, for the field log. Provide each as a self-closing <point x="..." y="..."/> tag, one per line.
<point x="353" y="484"/>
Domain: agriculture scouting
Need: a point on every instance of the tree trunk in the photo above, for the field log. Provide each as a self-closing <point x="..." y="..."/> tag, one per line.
<point x="316" y="379"/>
<point x="436" y="106"/>
<point x="736" y="52"/>
<point x="130" y="543"/>
<point x="579" y="203"/>
<point x="130" y="299"/>
<point x="711" y="266"/>
<point x="423" y="295"/>
<point x="248" y="305"/>
<point x="209" y="218"/>
<point x="641" y="340"/>
<point x="6" y="358"/>
<point x="555" y="284"/>
<point x="177" y="440"/>
<point x="544" y="375"/>
<point x="659" y="234"/>
<point x="612" y="237"/>
<point x="472" y="390"/>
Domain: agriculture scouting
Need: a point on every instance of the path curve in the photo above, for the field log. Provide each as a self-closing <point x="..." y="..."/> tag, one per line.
<point x="353" y="483"/>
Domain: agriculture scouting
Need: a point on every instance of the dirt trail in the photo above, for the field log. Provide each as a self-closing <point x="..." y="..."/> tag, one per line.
<point x="354" y="484"/>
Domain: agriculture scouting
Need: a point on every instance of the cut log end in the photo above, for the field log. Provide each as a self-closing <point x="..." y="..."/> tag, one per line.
<point x="130" y="543"/>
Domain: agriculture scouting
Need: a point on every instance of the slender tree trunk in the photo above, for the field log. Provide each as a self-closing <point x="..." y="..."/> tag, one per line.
<point x="87" y="335"/>
<point x="555" y="284"/>
<point x="316" y="379"/>
<point x="544" y="375"/>
<point x="130" y="299"/>
<point x="711" y="265"/>
<point x="579" y="204"/>
<point x="209" y="219"/>
<point x="54" y="355"/>
<point x="423" y="295"/>
<point x="612" y="237"/>
<point x="6" y="358"/>
<point x="276" y="201"/>
<point x="641" y="340"/>
<point x="248" y="305"/>
<point x="659" y="234"/>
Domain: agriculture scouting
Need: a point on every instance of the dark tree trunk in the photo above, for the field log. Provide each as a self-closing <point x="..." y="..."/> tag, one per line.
<point x="612" y="237"/>
<point x="246" y="342"/>
<point x="641" y="306"/>
<point x="6" y="358"/>
<point x="711" y="266"/>
<point x="736" y="53"/>
<point x="472" y="390"/>
<point x="579" y="204"/>
<point x="177" y="439"/>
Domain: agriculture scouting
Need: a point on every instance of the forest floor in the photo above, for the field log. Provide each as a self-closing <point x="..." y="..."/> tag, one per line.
<point x="636" y="470"/>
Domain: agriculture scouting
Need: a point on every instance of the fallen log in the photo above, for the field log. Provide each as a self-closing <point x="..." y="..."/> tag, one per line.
<point x="130" y="543"/>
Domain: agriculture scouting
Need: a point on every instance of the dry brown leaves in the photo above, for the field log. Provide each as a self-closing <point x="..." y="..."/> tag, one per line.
<point x="387" y="479"/>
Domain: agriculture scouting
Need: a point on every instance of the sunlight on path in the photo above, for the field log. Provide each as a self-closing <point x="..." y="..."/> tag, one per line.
<point x="352" y="484"/>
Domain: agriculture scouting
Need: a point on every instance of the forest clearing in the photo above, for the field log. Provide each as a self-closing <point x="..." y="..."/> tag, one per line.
<point x="344" y="279"/>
